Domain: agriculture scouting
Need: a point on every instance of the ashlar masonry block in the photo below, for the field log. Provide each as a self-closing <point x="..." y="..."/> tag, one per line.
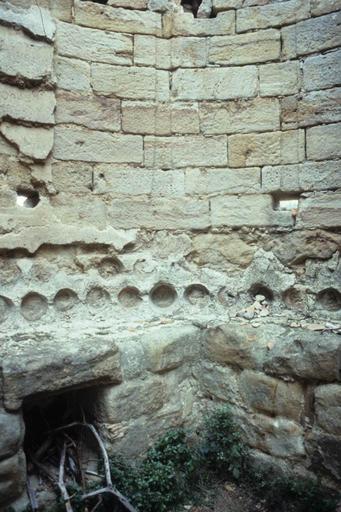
<point x="322" y="71"/>
<point x="311" y="109"/>
<point x="187" y="25"/>
<point x="272" y="15"/>
<point x="279" y="79"/>
<point x="323" y="142"/>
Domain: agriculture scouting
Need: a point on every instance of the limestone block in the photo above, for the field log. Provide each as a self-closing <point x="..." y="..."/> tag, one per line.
<point x="73" y="209"/>
<point x="205" y="9"/>
<point x="160" y="118"/>
<point x="279" y="79"/>
<point x="325" y="451"/>
<point x="12" y="433"/>
<point x="185" y="52"/>
<point x="75" y="143"/>
<point x="22" y="58"/>
<point x="319" y="7"/>
<point x="222" y="181"/>
<point x="90" y="14"/>
<point x="72" y="177"/>
<point x="251" y="210"/>
<point x="30" y="105"/>
<point x="187" y="25"/>
<point x="322" y="71"/>
<point x="12" y="477"/>
<point x="220" y="249"/>
<point x="72" y="74"/>
<point x="248" y="48"/>
<point x="129" y="4"/>
<point x="35" y="20"/>
<point x="35" y="143"/>
<point x="215" y="84"/>
<point x="321" y="210"/>
<point x="225" y="5"/>
<point x="95" y="112"/>
<point x="6" y="148"/>
<point x="266" y="148"/>
<point x="241" y="116"/>
<point x="313" y="35"/>
<point x="132" y="399"/>
<point x="328" y="408"/>
<point x="61" y="9"/>
<point x="305" y="355"/>
<point x="272" y="15"/>
<point x="133" y="182"/>
<point x="93" y="45"/>
<point x="301" y="177"/>
<point x="324" y="141"/>
<point x="185" y="151"/>
<point x="131" y="83"/>
<point x="316" y="107"/>
<point x="218" y="382"/>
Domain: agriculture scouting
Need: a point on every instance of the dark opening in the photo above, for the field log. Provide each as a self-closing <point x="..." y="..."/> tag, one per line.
<point x="261" y="290"/>
<point x="191" y="6"/>
<point x="103" y="2"/>
<point x="27" y="198"/>
<point x="330" y="299"/>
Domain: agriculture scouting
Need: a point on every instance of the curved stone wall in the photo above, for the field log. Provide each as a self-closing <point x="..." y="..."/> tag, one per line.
<point x="170" y="219"/>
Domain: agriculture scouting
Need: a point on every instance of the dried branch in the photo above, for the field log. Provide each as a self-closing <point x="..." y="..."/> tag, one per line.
<point x="61" y="484"/>
<point x="113" y="492"/>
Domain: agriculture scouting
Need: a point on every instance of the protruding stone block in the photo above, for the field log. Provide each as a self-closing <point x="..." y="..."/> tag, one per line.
<point x="328" y="408"/>
<point x="32" y="106"/>
<point x="272" y="15"/>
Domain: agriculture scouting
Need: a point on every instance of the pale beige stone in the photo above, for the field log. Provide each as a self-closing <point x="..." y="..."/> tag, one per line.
<point x="93" y="45"/>
<point x="241" y="116"/>
<point x="185" y="151"/>
<point x="72" y="74"/>
<point x="95" y="112"/>
<point x="215" y="84"/>
<point x="32" y="142"/>
<point x="250" y="210"/>
<point x="30" y="105"/>
<point x="72" y="177"/>
<point x="223" y="181"/>
<point x="129" y="4"/>
<point x="313" y="108"/>
<point x="322" y="71"/>
<point x="6" y="148"/>
<point x="35" y="20"/>
<point x="320" y="210"/>
<point x="302" y="177"/>
<point x="313" y="35"/>
<point x="225" y="5"/>
<point x="170" y="53"/>
<point x="22" y="58"/>
<point x="75" y="143"/>
<point x="328" y="408"/>
<point x="250" y="48"/>
<point x="132" y="83"/>
<point x="279" y="79"/>
<point x="159" y="213"/>
<point x="272" y="15"/>
<point x="319" y="7"/>
<point x="106" y="17"/>
<point x="218" y="250"/>
<point x="205" y="9"/>
<point x="159" y="118"/>
<point x="187" y="25"/>
<point x="266" y="148"/>
<point x="323" y="142"/>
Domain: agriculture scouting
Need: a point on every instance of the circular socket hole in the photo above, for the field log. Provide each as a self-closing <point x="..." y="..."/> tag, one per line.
<point x="33" y="306"/>
<point x="5" y="308"/>
<point x="197" y="294"/>
<point x="97" y="297"/>
<point x="129" y="297"/>
<point x="294" y="298"/>
<point x="65" y="299"/>
<point x="259" y="290"/>
<point x="27" y="198"/>
<point x="163" y="295"/>
<point x="110" y="266"/>
<point x="330" y="299"/>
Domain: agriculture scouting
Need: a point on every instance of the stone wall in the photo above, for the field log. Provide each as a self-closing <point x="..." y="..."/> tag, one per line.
<point x="169" y="218"/>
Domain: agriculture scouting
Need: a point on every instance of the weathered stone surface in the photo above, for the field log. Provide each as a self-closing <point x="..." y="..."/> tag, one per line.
<point x="313" y="35"/>
<point x="217" y="382"/>
<point x="12" y="433"/>
<point x="222" y="181"/>
<point x="186" y="151"/>
<point x="322" y="71"/>
<point x="35" y="20"/>
<point x="319" y="7"/>
<point x="75" y="143"/>
<point x="170" y="53"/>
<point x="310" y="109"/>
<point x="131" y="83"/>
<point x="22" y="59"/>
<point x="219" y="249"/>
<point x="93" y="45"/>
<point x="160" y="118"/>
<point x="215" y="84"/>
<point x="159" y="213"/>
<point x="129" y="4"/>
<point x="71" y="177"/>
<point x="225" y="5"/>
<point x="323" y="142"/>
<point x="305" y="355"/>
<point x="114" y="19"/>
<point x="273" y="15"/>
<point x="28" y="105"/>
<point x="12" y="477"/>
<point x="72" y="74"/>
<point x="251" y="210"/>
<point x="301" y="177"/>
<point x="186" y="25"/>
<point x="35" y="143"/>
<point x="279" y="79"/>
<point x="95" y="112"/>
<point x="248" y="48"/>
<point x="320" y="210"/>
<point x="240" y="116"/>
<point x="325" y="451"/>
<point x="328" y="408"/>
<point x="84" y="359"/>
<point x="266" y="148"/>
